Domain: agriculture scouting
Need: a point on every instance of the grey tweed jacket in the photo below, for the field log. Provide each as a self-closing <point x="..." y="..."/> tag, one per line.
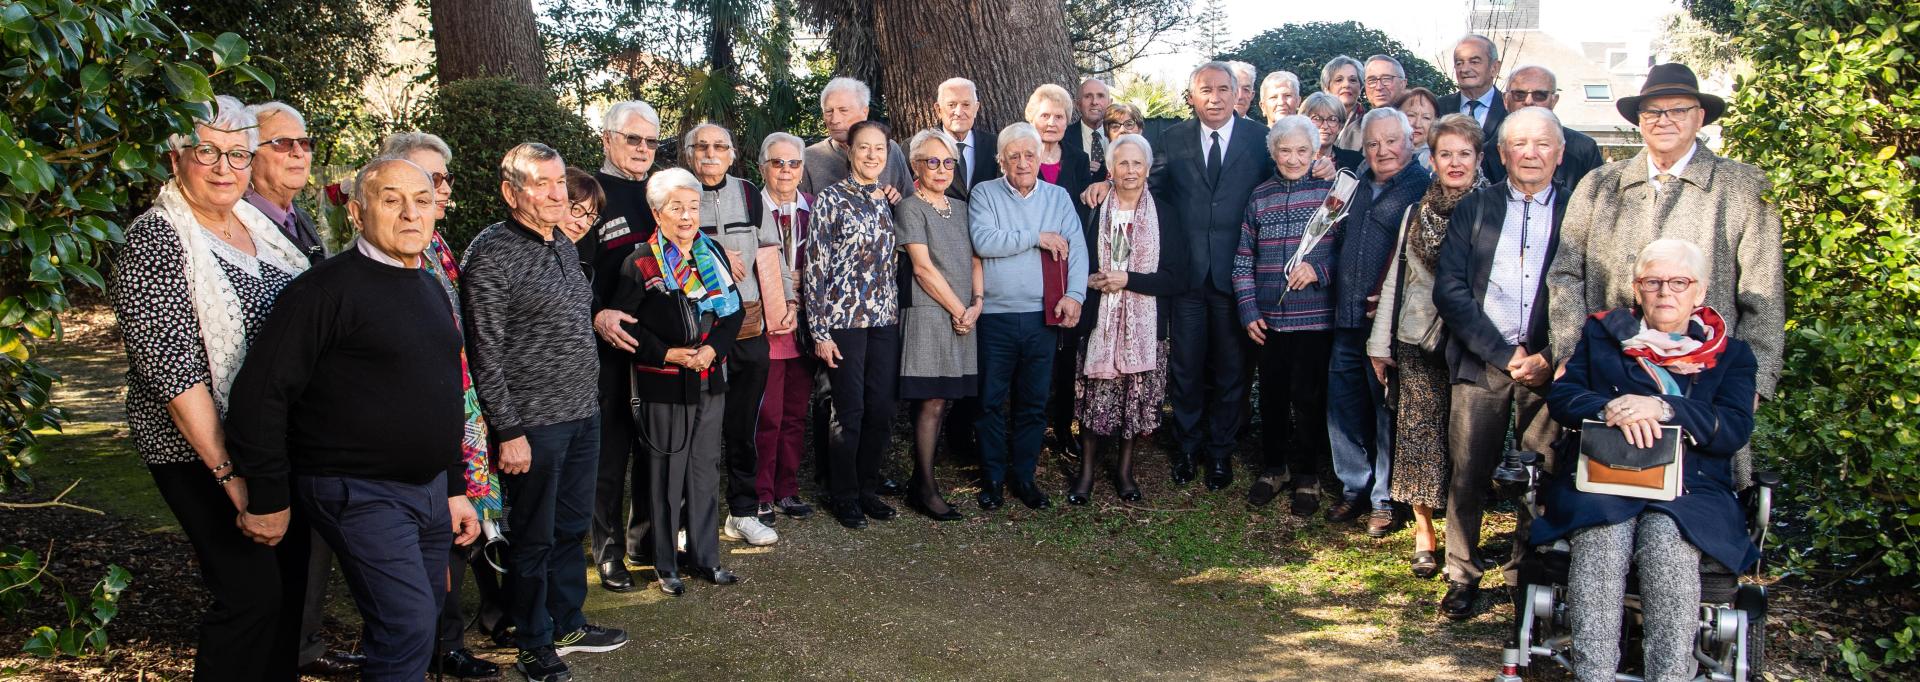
<point x="1717" y="203"/>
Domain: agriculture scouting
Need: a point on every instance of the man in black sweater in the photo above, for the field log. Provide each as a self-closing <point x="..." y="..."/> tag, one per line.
<point x="350" y="401"/>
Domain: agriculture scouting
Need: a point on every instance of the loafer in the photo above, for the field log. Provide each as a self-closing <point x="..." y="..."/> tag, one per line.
<point x="615" y="577"/>
<point x="877" y="510"/>
<point x="1461" y="601"/>
<point x="716" y="575"/>
<point x="1219" y="475"/>
<point x="849" y="515"/>
<point x="1347" y="509"/>
<point x="1305" y="503"/>
<point x="1383" y="522"/>
<point x="462" y="664"/>
<point x="334" y="663"/>
<point x="1263" y="491"/>
<point x="990" y="497"/>
<point x="1031" y="495"/>
<point x="672" y="585"/>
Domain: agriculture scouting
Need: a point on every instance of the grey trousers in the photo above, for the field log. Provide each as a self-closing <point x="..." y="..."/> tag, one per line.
<point x="313" y="644"/>
<point x="685" y="484"/>
<point x="1669" y="597"/>
<point x="1477" y="425"/>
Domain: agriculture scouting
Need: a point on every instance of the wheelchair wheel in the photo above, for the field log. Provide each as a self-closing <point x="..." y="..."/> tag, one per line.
<point x="1753" y="600"/>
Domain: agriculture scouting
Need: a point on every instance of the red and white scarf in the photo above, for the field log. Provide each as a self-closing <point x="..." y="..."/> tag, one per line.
<point x="1680" y="353"/>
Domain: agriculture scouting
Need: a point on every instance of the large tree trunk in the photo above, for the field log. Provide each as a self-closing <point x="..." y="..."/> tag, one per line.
<point x="1006" y="47"/>
<point x="482" y="38"/>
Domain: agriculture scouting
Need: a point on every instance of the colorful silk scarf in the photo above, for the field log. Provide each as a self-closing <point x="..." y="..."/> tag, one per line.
<point x="481" y="491"/>
<point x="692" y="276"/>
<point x="1681" y="353"/>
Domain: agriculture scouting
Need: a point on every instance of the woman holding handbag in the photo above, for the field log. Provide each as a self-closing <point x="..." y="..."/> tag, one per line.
<point x="1664" y="363"/>
<point x="1410" y="337"/>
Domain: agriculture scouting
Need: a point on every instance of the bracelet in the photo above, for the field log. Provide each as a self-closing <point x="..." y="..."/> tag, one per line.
<point x="216" y="470"/>
<point x="224" y="479"/>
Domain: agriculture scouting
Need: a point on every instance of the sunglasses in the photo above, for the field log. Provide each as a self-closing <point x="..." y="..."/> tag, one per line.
<point x="208" y="155"/>
<point x="937" y="164"/>
<point x="784" y="163"/>
<point x="1531" y="95"/>
<point x="441" y="179"/>
<point x="285" y="145"/>
<point x="633" y="140"/>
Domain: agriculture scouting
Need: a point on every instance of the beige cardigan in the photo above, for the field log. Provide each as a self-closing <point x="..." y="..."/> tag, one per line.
<point x="1717" y="203"/>
<point x="1419" y="311"/>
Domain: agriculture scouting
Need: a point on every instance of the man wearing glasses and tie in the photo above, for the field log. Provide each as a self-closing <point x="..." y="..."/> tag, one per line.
<point x="1535" y="86"/>
<point x="280" y="171"/>
<point x="1676" y="188"/>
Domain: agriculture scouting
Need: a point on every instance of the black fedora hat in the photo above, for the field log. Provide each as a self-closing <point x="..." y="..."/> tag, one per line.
<point x="1671" y="79"/>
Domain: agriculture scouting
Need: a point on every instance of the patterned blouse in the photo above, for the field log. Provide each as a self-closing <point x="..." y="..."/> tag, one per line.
<point x="165" y="354"/>
<point x="849" y="282"/>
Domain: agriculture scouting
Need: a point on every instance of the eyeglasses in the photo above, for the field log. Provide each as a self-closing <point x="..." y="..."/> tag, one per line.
<point x="793" y="164"/>
<point x="1381" y="80"/>
<point x="937" y="164"/>
<point x="441" y="179"/>
<point x="633" y="140"/>
<point x="717" y="147"/>
<point x="583" y="211"/>
<point x="1124" y="125"/>
<point x="1531" y="95"/>
<point x="208" y="155"/>
<point x="1649" y="285"/>
<point x="285" y="145"/>
<point x="1325" y="120"/>
<point x="1651" y="115"/>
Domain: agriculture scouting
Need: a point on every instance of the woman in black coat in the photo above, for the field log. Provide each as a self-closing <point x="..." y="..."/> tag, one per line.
<point x="679" y="290"/>
<point x="1666" y="362"/>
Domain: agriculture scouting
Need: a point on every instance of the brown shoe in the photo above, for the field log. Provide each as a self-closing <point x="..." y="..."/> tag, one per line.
<point x="1382" y="523"/>
<point x="1347" y="509"/>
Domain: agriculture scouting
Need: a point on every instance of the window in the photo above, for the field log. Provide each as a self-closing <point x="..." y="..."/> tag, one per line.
<point x="1600" y="92"/>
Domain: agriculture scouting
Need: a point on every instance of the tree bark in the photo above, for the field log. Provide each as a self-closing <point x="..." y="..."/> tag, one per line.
<point x="488" y="38"/>
<point x="1006" y="47"/>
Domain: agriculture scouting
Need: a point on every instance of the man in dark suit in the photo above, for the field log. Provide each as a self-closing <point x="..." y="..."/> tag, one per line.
<point x="1475" y="63"/>
<point x="1490" y="288"/>
<point x="1207" y="169"/>
<point x="281" y="167"/>
<point x="1088" y="135"/>
<point x="1536" y="86"/>
<point x="959" y="103"/>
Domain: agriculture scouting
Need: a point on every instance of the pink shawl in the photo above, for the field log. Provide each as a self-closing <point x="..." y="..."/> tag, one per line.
<point x="1124" y="336"/>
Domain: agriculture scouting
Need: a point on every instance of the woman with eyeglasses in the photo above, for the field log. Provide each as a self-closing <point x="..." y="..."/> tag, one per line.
<point x="432" y="155"/>
<point x="195" y="281"/>
<point x="1123" y="119"/>
<point x="939" y="365"/>
<point x="584" y="199"/>
<point x="1328" y="115"/>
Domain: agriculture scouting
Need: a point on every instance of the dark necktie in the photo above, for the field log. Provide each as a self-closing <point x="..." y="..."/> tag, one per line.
<point x="1099" y="152"/>
<point x="960" y="168"/>
<point x="1213" y="160"/>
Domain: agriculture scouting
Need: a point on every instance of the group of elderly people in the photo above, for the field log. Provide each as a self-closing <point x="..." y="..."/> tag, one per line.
<point x="685" y="322"/>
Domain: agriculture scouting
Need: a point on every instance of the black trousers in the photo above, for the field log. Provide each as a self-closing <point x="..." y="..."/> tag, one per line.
<point x="252" y="629"/>
<point x="1293" y="406"/>
<point x="1206" y="375"/>
<point x="863" y="389"/>
<point x="622" y="523"/>
<point x="1066" y="372"/>
<point x="746" y="386"/>
<point x="493" y="597"/>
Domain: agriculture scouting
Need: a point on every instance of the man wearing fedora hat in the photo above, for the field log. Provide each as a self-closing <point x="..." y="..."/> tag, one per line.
<point x="1676" y="188"/>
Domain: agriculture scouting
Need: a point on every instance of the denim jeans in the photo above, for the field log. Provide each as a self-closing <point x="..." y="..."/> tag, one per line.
<point x="1016" y="358"/>
<point x="548" y="510"/>
<point x="1358" y="424"/>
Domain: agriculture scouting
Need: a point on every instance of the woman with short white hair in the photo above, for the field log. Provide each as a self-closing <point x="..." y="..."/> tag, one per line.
<point x="936" y="323"/>
<point x="193" y="284"/>
<point x="1279" y="95"/>
<point x="1666" y="361"/>
<point x="1047" y="111"/>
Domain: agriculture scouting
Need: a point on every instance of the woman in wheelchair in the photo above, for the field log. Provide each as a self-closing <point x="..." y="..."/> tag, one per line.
<point x="1666" y="362"/>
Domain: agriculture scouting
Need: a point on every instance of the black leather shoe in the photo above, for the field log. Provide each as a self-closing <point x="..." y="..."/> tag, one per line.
<point x="849" y="515"/>
<point x="614" y="576"/>
<point x="916" y="503"/>
<point x="990" y="497"/>
<point x="672" y="585"/>
<point x="1079" y="498"/>
<point x="462" y="664"/>
<point x="1126" y="489"/>
<point x="890" y="488"/>
<point x="877" y="510"/>
<point x="1461" y="601"/>
<point x="1305" y="502"/>
<point x="1263" y="491"/>
<point x="716" y="575"/>
<point x="1219" y="474"/>
<point x="1031" y="495"/>
<point x="1181" y="471"/>
<point x="334" y="663"/>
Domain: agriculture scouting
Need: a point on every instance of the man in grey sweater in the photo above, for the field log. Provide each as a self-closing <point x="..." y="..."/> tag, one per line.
<point x="530" y="347"/>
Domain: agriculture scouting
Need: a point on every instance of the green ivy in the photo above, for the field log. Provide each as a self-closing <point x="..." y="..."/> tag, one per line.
<point x="94" y="91"/>
<point x="1830" y="112"/>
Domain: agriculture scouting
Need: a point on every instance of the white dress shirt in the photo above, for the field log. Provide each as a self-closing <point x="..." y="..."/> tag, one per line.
<point x="1653" y="171"/>
<point x="1519" y="264"/>
<point x="967" y="154"/>
<point x="1478" y="113"/>
<point x="1206" y="141"/>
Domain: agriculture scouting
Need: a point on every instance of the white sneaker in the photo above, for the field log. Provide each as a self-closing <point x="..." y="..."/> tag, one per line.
<point x="749" y="529"/>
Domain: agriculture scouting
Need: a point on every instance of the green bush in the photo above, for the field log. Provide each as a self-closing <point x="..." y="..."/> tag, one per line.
<point x="481" y="119"/>
<point x="94" y="90"/>
<point x="1830" y="112"/>
<point x="1304" y="48"/>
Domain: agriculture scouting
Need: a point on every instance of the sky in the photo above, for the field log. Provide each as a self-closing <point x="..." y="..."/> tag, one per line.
<point x="1427" y="27"/>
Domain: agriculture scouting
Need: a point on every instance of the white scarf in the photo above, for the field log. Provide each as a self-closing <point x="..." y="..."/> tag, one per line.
<point x="216" y="305"/>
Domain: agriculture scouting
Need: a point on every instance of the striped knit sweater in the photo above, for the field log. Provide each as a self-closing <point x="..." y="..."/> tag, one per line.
<point x="1275" y="223"/>
<point x="529" y="329"/>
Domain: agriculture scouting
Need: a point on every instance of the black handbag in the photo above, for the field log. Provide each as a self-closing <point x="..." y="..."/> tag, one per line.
<point x="1609" y="464"/>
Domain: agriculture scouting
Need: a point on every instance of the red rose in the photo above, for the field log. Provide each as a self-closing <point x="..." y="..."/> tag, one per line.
<point x="335" y="195"/>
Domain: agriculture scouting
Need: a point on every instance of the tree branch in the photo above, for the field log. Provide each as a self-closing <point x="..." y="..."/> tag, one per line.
<point x="57" y="501"/>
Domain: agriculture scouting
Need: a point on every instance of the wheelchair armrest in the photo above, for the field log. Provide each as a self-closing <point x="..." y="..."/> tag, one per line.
<point x="1769" y="479"/>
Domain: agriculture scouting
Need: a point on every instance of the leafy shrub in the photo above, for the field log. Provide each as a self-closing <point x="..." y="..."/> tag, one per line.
<point x="94" y="90"/>
<point x="1304" y="48"/>
<point x="482" y="118"/>
<point x="1831" y="113"/>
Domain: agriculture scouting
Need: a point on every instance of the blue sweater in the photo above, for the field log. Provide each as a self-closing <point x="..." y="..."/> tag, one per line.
<point x="1006" y="231"/>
